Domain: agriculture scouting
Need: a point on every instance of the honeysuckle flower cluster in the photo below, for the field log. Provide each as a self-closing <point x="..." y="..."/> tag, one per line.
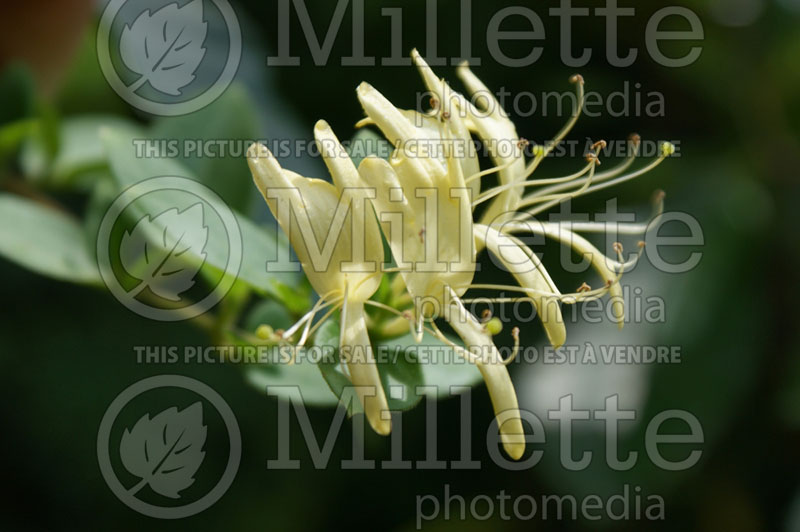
<point x="424" y="201"/>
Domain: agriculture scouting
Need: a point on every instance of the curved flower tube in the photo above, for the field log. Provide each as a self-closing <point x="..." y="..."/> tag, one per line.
<point x="421" y="201"/>
<point x="425" y="197"/>
<point x="343" y="273"/>
<point x="424" y="160"/>
<point x="425" y="210"/>
<point x="509" y="210"/>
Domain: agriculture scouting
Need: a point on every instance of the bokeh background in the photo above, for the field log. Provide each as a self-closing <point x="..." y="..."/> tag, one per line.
<point x="67" y="349"/>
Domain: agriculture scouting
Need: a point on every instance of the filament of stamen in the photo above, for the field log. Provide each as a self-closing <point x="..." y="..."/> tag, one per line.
<point x="309" y="322"/>
<point x="515" y="335"/>
<point x="488" y="171"/>
<point x="385" y="307"/>
<point x="627" y="177"/>
<point x="564" y="298"/>
<point x="489" y="194"/>
<point x="553" y="230"/>
<point x="322" y="302"/>
<point x="433" y="330"/>
<point x="327" y="315"/>
<point x="621" y="228"/>
<point x="554" y="199"/>
<point x="466" y="353"/>
<point x="589" y="189"/>
<point x="598" y="176"/>
<point x="578" y="80"/>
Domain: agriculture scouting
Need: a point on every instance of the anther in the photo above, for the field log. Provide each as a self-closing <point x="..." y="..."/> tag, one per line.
<point x="486" y="315"/>
<point x="616" y="246"/>
<point x="577" y="78"/>
<point x="592" y="157"/>
<point x="584" y="287"/>
<point x="515" y="352"/>
<point x="600" y="144"/>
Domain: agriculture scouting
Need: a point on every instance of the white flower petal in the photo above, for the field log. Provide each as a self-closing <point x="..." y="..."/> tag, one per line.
<point x="530" y="273"/>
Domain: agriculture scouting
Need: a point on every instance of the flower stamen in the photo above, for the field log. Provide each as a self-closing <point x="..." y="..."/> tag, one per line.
<point x="515" y="351"/>
<point x="489" y="194"/>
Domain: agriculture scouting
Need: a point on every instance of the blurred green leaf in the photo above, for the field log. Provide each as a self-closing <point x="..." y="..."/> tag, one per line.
<point x="45" y="240"/>
<point x="48" y="132"/>
<point x="304" y="375"/>
<point x="211" y="143"/>
<point x="102" y="195"/>
<point x="440" y="365"/>
<point x="80" y="150"/>
<point x="403" y="366"/>
<point x="327" y="337"/>
<point x="296" y="298"/>
<point x="13" y="134"/>
<point x="400" y="376"/>
<point x="259" y="244"/>
<point x="267" y="312"/>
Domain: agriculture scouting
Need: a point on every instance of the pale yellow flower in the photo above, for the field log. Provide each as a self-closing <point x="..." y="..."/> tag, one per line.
<point x="345" y="275"/>
<point x="435" y="248"/>
<point x="425" y="208"/>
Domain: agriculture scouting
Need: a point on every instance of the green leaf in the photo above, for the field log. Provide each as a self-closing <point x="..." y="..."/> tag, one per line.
<point x="403" y="366"/>
<point x="259" y="244"/>
<point x="102" y="195"/>
<point x="327" y="337"/>
<point x="155" y="250"/>
<point x="304" y="375"/>
<point x="267" y="312"/>
<point x="13" y="134"/>
<point x="80" y="153"/>
<point x="224" y="127"/>
<point x="440" y="365"/>
<point x="296" y="298"/>
<point x="45" y="240"/>
<point x="400" y="375"/>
